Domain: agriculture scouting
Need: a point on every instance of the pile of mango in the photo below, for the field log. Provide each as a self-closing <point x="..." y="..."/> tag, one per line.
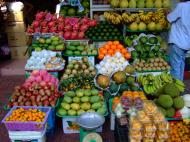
<point x="80" y="101"/>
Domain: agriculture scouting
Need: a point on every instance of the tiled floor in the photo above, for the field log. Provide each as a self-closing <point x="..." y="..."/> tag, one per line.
<point x="7" y="84"/>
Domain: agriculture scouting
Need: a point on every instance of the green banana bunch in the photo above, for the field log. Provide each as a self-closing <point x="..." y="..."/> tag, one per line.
<point x="180" y="85"/>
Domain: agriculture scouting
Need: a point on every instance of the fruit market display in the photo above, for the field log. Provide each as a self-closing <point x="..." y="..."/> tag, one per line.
<point x="104" y="32"/>
<point x="69" y="28"/>
<point x="77" y="67"/>
<point x="145" y="46"/>
<point x="110" y="64"/>
<point x="45" y="59"/>
<point x="26" y="115"/>
<point x="48" y="43"/>
<point x="79" y="81"/>
<point x="142" y="21"/>
<point x="169" y="101"/>
<point x="154" y="64"/>
<point x="140" y="3"/>
<point x="76" y="48"/>
<point x="82" y="100"/>
<point x="40" y="89"/>
<point x="179" y="131"/>
<point x="111" y="47"/>
<point x="148" y="126"/>
<point x="67" y="10"/>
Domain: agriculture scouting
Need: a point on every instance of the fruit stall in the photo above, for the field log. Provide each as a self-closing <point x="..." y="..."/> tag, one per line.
<point x="95" y="61"/>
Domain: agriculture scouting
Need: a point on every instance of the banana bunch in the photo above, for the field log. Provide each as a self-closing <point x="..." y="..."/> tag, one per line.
<point x="152" y="83"/>
<point x="180" y="85"/>
<point x="145" y="16"/>
<point x="129" y="18"/>
<point x="163" y="22"/>
<point x="113" y="17"/>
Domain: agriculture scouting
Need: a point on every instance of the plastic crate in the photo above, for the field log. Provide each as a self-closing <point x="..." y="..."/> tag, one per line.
<point x="26" y="126"/>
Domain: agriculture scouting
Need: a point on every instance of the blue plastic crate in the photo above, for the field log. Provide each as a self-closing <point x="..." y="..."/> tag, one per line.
<point x="51" y="122"/>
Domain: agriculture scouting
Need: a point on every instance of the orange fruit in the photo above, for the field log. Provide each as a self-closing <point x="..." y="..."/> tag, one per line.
<point x="127" y="55"/>
<point x="107" y="47"/>
<point x="113" y="47"/>
<point x="109" y="43"/>
<point x="101" y="56"/>
<point x="116" y="43"/>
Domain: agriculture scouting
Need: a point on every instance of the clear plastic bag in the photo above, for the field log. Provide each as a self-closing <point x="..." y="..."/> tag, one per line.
<point x="135" y="134"/>
<point x="162" y="134"/>
<point x="148" y="140"/>
<point x="143" y="117"/>
<point x="149" y="127"/>
<point x="135" y="124"/>
<point x="163" y="126"/>
<point x="150" y="108"/>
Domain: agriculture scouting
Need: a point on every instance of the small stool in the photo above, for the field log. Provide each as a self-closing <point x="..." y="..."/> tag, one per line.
<point x="33" y="136"/>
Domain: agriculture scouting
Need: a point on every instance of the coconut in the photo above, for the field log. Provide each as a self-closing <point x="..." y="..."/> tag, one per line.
<point x="68" y="71"/>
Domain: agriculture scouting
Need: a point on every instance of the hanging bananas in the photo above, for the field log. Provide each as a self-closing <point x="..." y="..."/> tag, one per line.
<point x="113" y="17"/>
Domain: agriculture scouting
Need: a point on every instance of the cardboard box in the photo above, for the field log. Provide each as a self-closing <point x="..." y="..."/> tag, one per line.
<point x="19" y="52"/>
<point x="13" y="27"/>
<point x="17" y="39"/>
<point x="15" y="16"/>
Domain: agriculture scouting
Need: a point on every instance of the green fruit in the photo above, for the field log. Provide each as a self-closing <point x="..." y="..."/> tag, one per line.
<point x="101" y="110"/>
<point x="70" y="94"/>
<point x="55" y="38"/>
<point x="119" y="77"/>
<point x="80" y="48"/>
<point x="165" y="101"/>
<point x="60" y="47"/>
<point x="75" y="43"/>
<point x="51" y="47"/>
<point x="55" y="43"/>
<point x="67" y="107"/>
<point x="71" y="12"/>
<point x="70" y="47"/>
<point x="41" y="40"/>
<point x="77" y="52"/>
<point x="178" y="103"/>
<point x="76" y="100"/>
<point x="72" y="112"/>
<point x="153" y="40"/>
<point x="95" y="99"/>
<point x="85" y="106"/>
<point x="80" y="93"/>
<point x="62" y="112"/>
<point x="48" y="41"/>
<point x="80" y="111"/>
<point x="63" y="104"/>
<point x="75" y="106"/>
<point x="87" y="92"/>
<point x="69" y="52"/>
<point x="94" y="92"/>
<point x="38" y="49"/>
<point x="67" y="99"/>
<point x="85" y="99"/>
<point x="143" y="39"/>
<point x="97" y="105"/>
<point x="130" y="80"/>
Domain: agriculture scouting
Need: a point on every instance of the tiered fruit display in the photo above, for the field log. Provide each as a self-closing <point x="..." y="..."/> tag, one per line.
<point x="79" y="81"/>
<point x="104" y="32"/>
<point x="69" y="28"/>
<point x="49" y="43"/>
<point x="169" y="101"/>
<point x="68" y="10"/>
<point x="145" y="47"/>
<point x="80" y="101"/>
<point x="76" y="67"/>
<point x="140" y="3"/>
<point x="150" y="21"/>
<point x="26" y="115"/>
<point x="110" y="64"/>
<point x="111" y="47"/>
<point x="78" y="48"/>
<point x="45" y="59"/>
<point x="179" y="131"/>
<point x="152" y="83"/>
<point x="154" y="64"/>
<point x="148" y="125"/>
<point x="40" y="89"/>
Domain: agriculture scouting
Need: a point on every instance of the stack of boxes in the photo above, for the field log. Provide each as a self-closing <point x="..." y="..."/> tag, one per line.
<point x="17" y="38"/>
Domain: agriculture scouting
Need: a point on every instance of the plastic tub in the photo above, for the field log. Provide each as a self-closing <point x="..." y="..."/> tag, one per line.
<point x="26" y="126"/>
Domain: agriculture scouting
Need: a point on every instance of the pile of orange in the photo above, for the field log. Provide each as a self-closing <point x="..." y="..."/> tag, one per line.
<point x="111" y="47"/>
<point x="23" y="115"/>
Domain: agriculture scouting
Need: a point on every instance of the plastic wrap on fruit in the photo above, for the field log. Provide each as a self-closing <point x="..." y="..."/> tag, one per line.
<point x="119" y="110"/>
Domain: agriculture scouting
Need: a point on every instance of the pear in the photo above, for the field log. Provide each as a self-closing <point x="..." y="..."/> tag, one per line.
<point x="140" y="4"/>
<point x="158" y="3"/>
<point x="114" y="3"/>
<point x="159" y="27"/>
<point x="134" y="26"/>
<point x="152" y="26"/>
<point x="149" y="4"/>
<point x="167" y="3"/>
<point x="132" y="4"/>
<point x="124" y="3"/>
<point x="142" y="26"/>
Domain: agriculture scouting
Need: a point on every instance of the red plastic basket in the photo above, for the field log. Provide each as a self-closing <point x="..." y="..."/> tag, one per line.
<point x="26" y="126"/>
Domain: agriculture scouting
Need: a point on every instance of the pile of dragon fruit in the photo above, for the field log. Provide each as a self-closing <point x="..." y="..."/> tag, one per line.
<point x="68" y="28"/>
